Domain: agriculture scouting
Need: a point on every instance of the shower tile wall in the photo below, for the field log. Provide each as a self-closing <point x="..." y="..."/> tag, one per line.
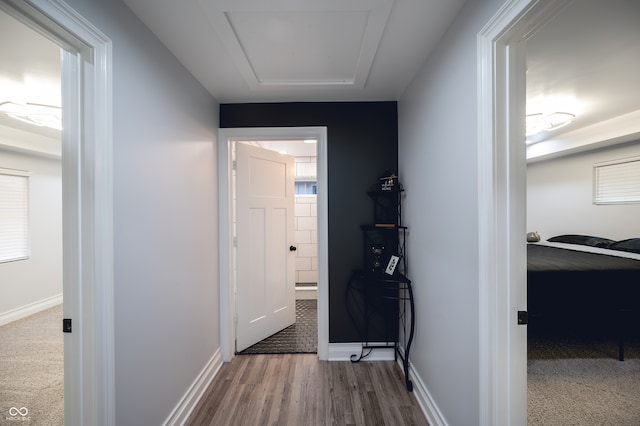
<point x="306" y="225"/>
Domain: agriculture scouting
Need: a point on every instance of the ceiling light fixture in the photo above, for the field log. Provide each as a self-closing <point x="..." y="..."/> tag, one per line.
<point x="310" y="141"/>
<point x="36" y="114"/>
<point x="539" y="122"/>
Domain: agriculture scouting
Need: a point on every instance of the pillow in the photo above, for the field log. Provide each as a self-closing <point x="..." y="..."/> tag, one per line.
<point x="585" y="240"/>
<point x="632" y="245"/>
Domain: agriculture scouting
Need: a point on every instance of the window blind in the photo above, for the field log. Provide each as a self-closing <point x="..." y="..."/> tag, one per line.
<point x="14" y="216"/>
<point x="617" y="182"/>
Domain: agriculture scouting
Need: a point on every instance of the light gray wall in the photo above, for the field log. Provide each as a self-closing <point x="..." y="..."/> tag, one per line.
<point x="165" y="216"/>
<point x="38" y="278"/>
<point x="560" y="197"/>
<point x="438" y="167"/>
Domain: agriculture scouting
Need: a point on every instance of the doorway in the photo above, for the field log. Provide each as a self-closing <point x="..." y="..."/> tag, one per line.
<point x="573" y="366"/>
<point x="31" y="342"/>
<point x="502" y="185"/>
<point x="227" y="137"/>
<point x="301" y="281"/>
<point x="87" y="206"/>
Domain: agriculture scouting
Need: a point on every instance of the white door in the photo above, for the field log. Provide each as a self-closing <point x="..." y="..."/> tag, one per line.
<point x="265" y="256"/>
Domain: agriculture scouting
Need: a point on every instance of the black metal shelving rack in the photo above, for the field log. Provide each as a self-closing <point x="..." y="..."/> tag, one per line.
<point x="378" y="290"/>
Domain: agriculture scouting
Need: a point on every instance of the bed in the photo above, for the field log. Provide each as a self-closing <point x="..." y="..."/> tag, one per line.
<point x="584" y="284"/>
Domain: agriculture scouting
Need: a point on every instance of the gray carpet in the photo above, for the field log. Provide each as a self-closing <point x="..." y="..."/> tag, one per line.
<point x="579" y="381"/>
<point x="301" y="337"/>
<point x="32" y="370"/>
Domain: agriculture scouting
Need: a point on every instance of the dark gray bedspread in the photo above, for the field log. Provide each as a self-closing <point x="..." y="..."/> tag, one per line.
<point x="550" y="259"/>
<point x="580" y="286"/>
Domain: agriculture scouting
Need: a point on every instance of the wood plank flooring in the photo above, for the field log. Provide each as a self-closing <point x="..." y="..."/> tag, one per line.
<point x="296" y="389"/>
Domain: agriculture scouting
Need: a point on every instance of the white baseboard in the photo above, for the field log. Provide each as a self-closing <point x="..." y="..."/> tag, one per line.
<point x="306" y="293"/>
<point x="343" y="352"/>
<point x="185" y="407"/>
<point x="30" y="309"/>
<point x="426" y="402"/>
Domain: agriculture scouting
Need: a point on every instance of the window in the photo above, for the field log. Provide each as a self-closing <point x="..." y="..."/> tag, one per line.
<point x="617" y="182"/>
<point x="306" y="188"/>
<point x="14" y="215"/>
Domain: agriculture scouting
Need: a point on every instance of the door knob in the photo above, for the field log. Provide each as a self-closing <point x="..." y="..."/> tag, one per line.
<point x="293" y="248"/>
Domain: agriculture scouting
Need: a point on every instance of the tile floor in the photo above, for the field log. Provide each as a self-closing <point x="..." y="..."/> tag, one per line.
<point x="299" y="338"/>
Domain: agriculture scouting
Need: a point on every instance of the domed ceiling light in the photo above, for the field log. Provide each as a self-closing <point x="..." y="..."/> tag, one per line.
<point x="36" y="114"/>
<point x="539" y="122"/>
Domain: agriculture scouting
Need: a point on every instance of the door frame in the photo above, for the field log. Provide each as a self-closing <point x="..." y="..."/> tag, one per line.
<point x="501" y="82"/>
<point x="87" y="200"/>
<point x="226" y="137"/>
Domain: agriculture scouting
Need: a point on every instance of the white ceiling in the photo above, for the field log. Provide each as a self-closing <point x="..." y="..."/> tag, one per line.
<point x="584" y="61"/>
<point x="296" y="148"/>
<point x="29" y="73"/>
<point x="300" y="50"/>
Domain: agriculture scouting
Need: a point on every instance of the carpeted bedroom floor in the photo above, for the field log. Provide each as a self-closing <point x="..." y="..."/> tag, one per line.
<point x="32" y="370"/>
<point x="579" y="381"/>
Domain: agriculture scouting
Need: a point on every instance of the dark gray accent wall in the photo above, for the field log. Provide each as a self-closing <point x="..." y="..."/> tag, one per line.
<point x="362" y="143"/>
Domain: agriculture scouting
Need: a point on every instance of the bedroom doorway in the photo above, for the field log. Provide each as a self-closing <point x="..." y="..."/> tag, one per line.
<point x="87" y="207"/>
<point x="502" y="175"/>
<point x="31" y="311"/>
<point x="584" y="353"/>
<point x="226" y="140"/>
<point x="501" y="81"/>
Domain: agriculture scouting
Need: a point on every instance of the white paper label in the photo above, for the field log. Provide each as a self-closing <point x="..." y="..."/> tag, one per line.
<point x="391" y="267"/>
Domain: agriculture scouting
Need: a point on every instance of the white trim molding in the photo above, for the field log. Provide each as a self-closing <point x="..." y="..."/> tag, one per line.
<point x="425" y="400"/>
<point x="344" y="352"/>
<point x="501" y="198"/>
<point x="227" y="136"/>
<point x="89" y="382"/>
<point x="222" y="14"/>
<point x="30" y="309"/>
<point x="189" y="401"/>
